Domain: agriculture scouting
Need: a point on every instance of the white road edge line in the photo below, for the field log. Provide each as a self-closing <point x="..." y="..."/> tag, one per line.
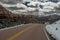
<point x="47" y="35"/>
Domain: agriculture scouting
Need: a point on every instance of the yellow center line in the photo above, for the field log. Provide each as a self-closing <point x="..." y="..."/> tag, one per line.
<point x="19" y="33"/>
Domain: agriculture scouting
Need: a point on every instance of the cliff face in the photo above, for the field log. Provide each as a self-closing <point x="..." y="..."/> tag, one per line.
<point x="8" y="19"/>
<point x="5" y="13"/>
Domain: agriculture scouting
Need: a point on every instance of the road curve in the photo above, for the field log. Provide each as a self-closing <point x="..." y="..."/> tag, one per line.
<point x="25" y="32"/>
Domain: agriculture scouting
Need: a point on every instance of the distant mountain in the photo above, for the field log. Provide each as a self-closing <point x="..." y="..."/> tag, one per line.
<point x="50" y="19"/>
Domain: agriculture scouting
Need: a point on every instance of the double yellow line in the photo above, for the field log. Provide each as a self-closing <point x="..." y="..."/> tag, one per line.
<point x="19" y="33"/>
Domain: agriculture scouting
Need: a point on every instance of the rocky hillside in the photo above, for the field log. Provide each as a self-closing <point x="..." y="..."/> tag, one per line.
<point x="4" y="14"/>
<point x="8" y="19"/>
<point x="50" y="19"/>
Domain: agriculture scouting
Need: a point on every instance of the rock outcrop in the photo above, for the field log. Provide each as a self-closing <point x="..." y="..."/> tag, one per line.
<point x="5" y="13"/>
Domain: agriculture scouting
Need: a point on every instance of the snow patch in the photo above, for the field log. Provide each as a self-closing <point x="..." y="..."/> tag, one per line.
<point x="54" y="30"/>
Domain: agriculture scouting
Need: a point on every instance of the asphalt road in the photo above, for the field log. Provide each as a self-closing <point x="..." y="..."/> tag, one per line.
<point x="25" y="32"/>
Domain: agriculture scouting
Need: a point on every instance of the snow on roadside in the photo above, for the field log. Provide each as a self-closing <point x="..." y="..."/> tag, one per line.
<point x="54" y="30"/>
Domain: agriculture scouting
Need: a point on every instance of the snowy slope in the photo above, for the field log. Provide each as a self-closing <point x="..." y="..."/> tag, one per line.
<point x="54" y="30"/>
